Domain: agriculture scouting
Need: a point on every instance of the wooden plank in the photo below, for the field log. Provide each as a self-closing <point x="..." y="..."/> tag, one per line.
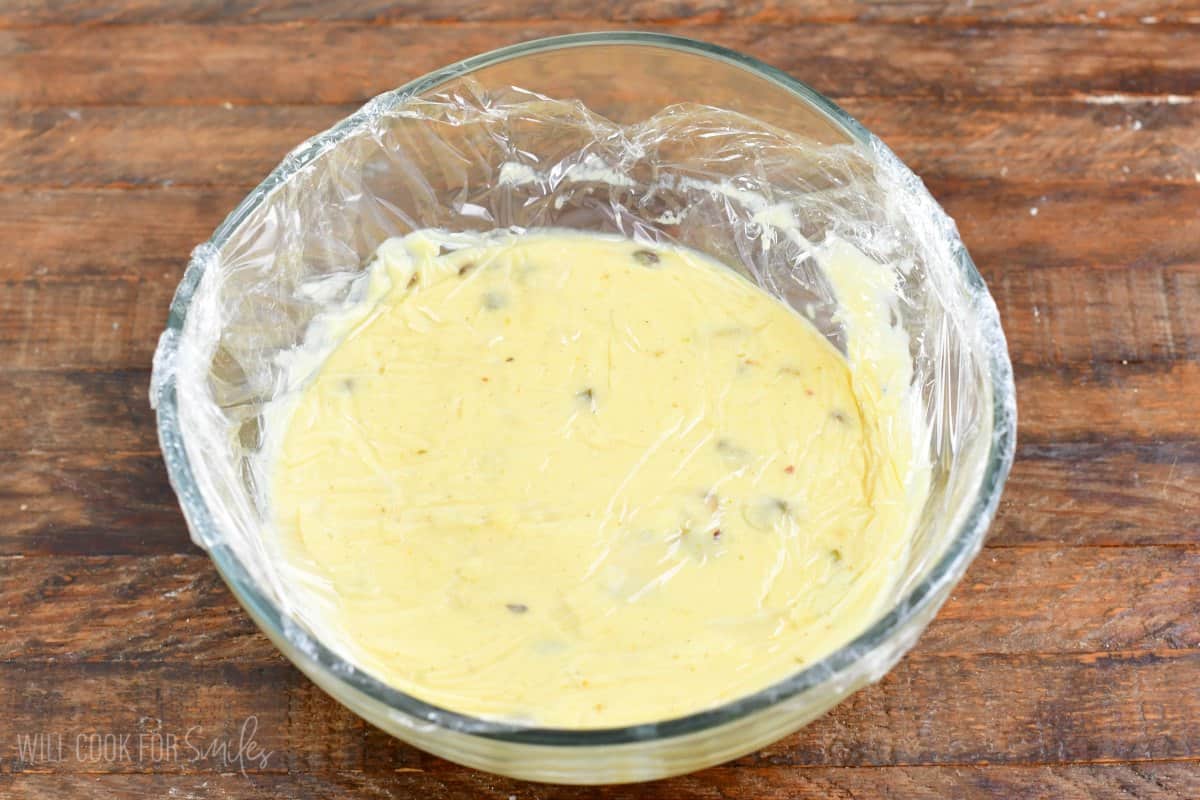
<point x="1006" y="224"/>
<point x="1020" y="600"/>
<point x="1070" y="316"/>
<point x="1053" y="314"/>
<point x="87" y="232"/>
<point x="1056" y="316"/>
<point x="91" y="502"/>
<point x="156" y="608"/>
<point x="1049" y="140"/>
<point x="1035" y="142"/>
<point x="95" y="484"/>
<point x="200" y="707"/>
<point x="1107" y="493"/>
<point x="139" y="147"/>
<point x="1056" y="308"/>
<point x="72" y="12"/>
<point x="1102" y="402"/>
<point x="81" y="502"/>
<point x="332" y="63"/>
<point x="82" y="323"/>
<point x="1149" y="781"/>
<point x="108" y="411"/>
<point x="77" y="412"/>
<point x="1000" y="709"/>
<point x="1104" y="494"/>
<point x="174" y="608"/>
<point x="1010" y="709"/>
<point x="109" y="233"/>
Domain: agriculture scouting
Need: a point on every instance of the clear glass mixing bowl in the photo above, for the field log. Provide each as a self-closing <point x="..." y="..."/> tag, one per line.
<point x="237" y="307"/>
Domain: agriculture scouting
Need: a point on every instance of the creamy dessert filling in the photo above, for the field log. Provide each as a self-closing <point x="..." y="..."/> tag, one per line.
<point x="582" y="481"/>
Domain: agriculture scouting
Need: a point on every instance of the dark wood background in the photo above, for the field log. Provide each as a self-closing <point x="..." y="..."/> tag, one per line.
<point x="1065" y="139"/>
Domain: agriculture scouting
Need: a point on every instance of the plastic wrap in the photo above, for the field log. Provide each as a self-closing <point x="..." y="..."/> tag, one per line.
<point x="758" y="199"/>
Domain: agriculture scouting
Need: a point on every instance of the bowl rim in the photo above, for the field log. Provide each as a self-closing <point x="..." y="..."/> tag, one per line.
<point x="319" y="658"/>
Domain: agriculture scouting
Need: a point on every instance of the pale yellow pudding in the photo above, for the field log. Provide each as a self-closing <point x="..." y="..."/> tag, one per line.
<point x="580" y="481"/>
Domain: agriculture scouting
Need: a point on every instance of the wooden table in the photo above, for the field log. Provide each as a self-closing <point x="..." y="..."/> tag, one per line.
<point x="1065" y="138"/>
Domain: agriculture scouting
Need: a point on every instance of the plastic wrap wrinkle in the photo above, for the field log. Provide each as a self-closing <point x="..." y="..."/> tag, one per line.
<point x="757" y="199"/>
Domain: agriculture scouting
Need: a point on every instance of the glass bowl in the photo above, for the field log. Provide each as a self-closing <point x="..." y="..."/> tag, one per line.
<point x="626" y="78"/>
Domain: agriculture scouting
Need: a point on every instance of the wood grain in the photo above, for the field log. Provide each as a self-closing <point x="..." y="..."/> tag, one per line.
<point x="1063" y="316"/>
<point x="1051" y="142"/>
<point x="91" y="411"/>
<point x="1060" y="495"/>
<point x="1052" y="314"/>
<point x="1102" y="402"/>
<point x="1006" y="223"/>
<point x="82" y="323"/>
<point x="1053" y="317"/>
<point x="1045" y="141"/>
<point x="1066" y="292"/>
<point x="157" y="609"/>
<point x="1062" y="136"/>
<point x="77" y="412"/>
<point x="85" y="232"/>
<point x="73" y="232"/>
<point x="90" y="480"/>
<point x="1103" y="492"/>
<point x="1083" y="599"/>
<point x="1155" y="781"/>
<point x="140" y="147"/>
<point x="999" y="709"/>
<point x="89" y="503"/>
<point x="174" y="608"/>
<point x="333" y="63"/>
<point x="1007" y="709"/>
<point x="730" y="12"/>
<point x="210" y="701"/>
